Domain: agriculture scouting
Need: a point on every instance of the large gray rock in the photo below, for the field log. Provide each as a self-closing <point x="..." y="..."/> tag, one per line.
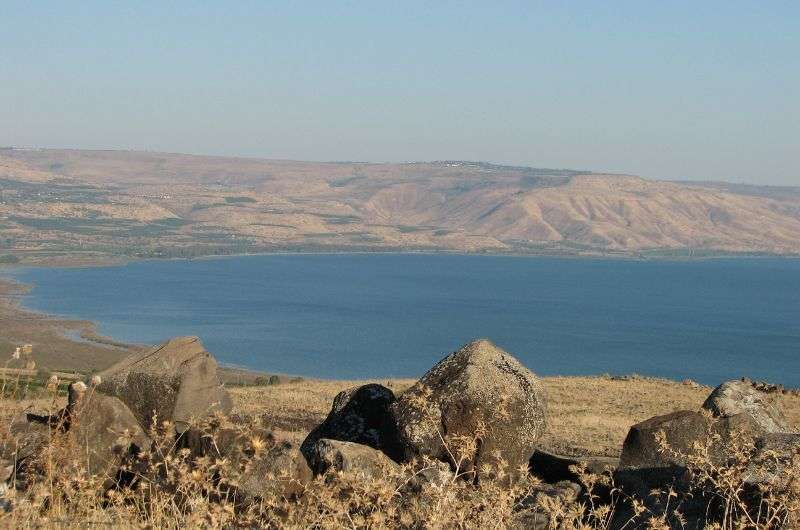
<point x="478" y="394"/>
<point x="646" y="462"/>
<point x="176" y="381"/>
<point x="104" y="431"/>
<point x="740" y="397"/>
<point x="361" y="415"/>
<point x="350" y="457"/>
<point x="99" y="430"/>
<point x="28" y="433"/>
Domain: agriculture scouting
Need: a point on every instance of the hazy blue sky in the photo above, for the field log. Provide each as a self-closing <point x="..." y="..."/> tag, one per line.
<point x="663" y="89"/>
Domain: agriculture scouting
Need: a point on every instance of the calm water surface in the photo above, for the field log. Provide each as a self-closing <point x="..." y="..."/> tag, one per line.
<point x="361" y="316"/>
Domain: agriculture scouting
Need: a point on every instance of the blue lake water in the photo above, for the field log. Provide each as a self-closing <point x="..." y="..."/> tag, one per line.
<point x="364" y="316"/>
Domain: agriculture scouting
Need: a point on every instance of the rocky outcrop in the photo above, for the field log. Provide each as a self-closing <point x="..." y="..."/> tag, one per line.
<point x="176" y="381"/>
<point x="476" y="407"/>
<point x="741" y="397"/>
<point x="350" y="457"/>
<point x="360" y="415"/>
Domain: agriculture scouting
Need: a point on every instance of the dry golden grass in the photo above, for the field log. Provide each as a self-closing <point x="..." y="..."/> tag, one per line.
<point x="587" y="415"/>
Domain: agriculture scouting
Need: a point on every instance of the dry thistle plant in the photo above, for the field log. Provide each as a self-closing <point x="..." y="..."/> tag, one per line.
<point x="740" y="484"/>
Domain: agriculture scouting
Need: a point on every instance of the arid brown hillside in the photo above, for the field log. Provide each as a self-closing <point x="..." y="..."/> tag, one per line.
<point x="155" y="204"/>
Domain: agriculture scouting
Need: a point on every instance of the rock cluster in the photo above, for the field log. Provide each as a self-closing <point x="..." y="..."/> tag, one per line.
<point x="476" y="416"/>
<point x="658" y="453"/>
<point x="107" y="421"/>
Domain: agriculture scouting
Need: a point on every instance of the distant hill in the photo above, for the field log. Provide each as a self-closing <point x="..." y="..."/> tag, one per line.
<point x="158" y="204"/>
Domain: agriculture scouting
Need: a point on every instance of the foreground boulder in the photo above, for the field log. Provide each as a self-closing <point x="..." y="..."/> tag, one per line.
<point x="360" y="415"/>
<point x="350" y="457"/>
<point x="99" y="430"/>
<point x="741" y="397"/>
<point x="657" y="451"/>
<point x="477" y="406"/>
<point x="258" y="466"/>
<point x="176" y="381"/>
<point x="103" y="430"/>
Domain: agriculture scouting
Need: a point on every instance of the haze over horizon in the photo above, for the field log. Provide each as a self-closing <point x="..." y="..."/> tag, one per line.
<point x="679" y="91"/>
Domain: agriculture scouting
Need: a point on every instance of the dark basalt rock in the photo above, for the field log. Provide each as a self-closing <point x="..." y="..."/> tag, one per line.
<point x="360" y="415"/>
<point x="552" y="469"/>
<point x="261" y="465"/>
<point x="646" y="464"/>
<point x="772" y="461"/>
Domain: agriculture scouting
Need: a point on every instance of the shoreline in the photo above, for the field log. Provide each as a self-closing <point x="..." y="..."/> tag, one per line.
<point x="79" y="335"/>
<point x="49" y="335"/>
<point x="69" y="259"/>
<point x="54" y="333"/>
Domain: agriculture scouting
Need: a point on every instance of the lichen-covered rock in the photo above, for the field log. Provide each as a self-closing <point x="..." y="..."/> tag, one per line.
<point x="349" y="457"/>
<point x="741" y="397"/>
<point x="361" y="415"/>
<point x="176" y="381"/>
<point x="476" y="407"/>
